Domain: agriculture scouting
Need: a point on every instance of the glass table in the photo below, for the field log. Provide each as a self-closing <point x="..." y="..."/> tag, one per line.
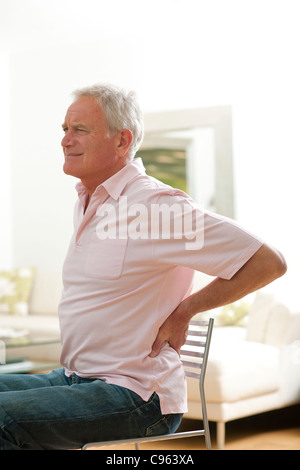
<point x="13" y="363"/>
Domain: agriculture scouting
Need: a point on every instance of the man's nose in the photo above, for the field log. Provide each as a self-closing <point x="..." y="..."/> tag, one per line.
<point x="67" y="139"/>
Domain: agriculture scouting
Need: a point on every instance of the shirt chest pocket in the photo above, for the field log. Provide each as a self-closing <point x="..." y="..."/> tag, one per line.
<point x="105" y="258"/>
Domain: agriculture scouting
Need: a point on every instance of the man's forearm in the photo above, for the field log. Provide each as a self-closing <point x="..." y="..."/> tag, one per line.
<point x="263" y="267"/>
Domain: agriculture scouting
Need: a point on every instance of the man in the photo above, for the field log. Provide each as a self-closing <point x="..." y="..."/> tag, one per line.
<point x="126" y="302"/>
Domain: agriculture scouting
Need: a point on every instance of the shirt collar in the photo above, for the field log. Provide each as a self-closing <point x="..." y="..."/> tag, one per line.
<point x="116" y="183"/>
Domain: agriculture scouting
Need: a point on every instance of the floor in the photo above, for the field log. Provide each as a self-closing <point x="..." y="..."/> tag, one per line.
<point x="275" y="430"/>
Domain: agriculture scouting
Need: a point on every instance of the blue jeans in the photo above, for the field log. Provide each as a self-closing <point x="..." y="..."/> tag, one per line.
<point x="53" y="411"/>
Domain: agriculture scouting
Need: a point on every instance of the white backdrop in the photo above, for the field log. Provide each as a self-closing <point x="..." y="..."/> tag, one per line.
<point x="176" y="54"/>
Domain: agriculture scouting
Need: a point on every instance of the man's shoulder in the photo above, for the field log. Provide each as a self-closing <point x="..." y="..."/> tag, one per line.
<point x="145" y="188"/>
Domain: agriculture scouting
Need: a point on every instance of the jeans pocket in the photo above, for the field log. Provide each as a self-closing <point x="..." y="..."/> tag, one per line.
<point x="167" y="424"/>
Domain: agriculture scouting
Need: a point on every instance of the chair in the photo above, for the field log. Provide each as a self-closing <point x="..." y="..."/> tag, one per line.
<point x="194" y="356"/>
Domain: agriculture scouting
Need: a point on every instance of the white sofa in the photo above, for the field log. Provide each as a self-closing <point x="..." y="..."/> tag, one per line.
<point x="251" y="369"/>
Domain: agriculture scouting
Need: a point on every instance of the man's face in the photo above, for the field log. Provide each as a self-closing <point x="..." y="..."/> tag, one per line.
<point x="90" y="154"/>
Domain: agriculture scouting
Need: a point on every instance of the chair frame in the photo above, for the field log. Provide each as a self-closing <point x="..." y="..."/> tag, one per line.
<point x="194" y="349"/>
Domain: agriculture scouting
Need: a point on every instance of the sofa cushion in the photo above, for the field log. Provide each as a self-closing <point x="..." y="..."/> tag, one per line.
<point x="15" y="289"/>
<point x="241" y="370"/>
<point x="259" y="316"/>
<point x="277" y="327"/>
<point x="237" y="369"/>
<point x="269" y="320"/>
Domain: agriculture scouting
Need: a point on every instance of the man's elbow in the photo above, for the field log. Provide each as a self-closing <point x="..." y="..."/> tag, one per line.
<point x="281" y="266"/>
<point x="276" y="263"/>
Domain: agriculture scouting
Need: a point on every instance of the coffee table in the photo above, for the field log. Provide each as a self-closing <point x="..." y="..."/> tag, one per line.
<point x="16" y="364"/>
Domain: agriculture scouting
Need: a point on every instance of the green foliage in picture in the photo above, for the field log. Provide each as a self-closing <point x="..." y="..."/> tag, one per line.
<point x="167" y="165"/>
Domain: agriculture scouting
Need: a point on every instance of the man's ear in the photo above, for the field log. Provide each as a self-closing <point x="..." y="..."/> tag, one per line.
<point x="124" y="142"/>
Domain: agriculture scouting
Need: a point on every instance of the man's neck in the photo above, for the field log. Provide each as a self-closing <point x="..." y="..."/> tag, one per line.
<point x="91" y="185"/>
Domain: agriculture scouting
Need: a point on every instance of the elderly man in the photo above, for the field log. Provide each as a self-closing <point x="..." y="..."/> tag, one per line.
<point x="127" y="301"/>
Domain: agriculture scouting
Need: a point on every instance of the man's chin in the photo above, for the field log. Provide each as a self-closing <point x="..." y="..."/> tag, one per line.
<point x="68" y="170"/>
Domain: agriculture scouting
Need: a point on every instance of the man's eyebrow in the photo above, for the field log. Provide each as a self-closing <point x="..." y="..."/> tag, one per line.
<point x="75" y="125"/>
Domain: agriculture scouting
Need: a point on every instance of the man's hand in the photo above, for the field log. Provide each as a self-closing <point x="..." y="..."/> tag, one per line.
<point x="173" y="331"/>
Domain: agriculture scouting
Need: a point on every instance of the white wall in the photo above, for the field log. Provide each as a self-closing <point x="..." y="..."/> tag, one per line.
<point x="176" y="54"/>
<point x="6" y="246"/>
<point x="43" y="196"/>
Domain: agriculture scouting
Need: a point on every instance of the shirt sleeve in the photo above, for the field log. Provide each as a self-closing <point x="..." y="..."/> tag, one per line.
<point x="201" y="240"/>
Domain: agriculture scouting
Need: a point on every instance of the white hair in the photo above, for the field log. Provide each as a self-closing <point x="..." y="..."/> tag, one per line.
<point x="121" y="111"/>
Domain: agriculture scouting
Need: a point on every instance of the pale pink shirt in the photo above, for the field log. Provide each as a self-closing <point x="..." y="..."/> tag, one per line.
<point x="118" y="291"/>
